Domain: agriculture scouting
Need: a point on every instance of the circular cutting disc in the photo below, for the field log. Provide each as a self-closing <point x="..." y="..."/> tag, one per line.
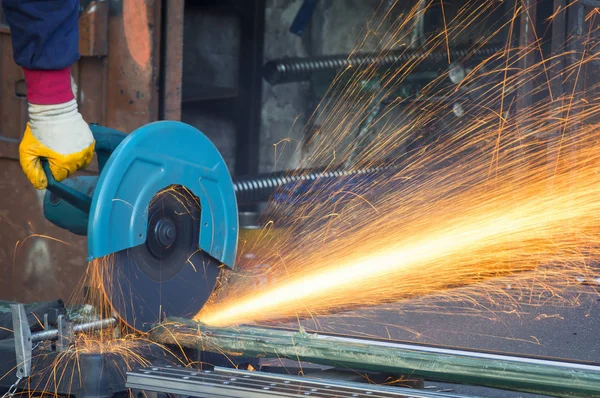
<point x="168" y="275"/>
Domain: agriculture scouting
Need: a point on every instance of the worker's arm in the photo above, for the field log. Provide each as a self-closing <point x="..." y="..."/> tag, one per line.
<point x="45" y="38"/>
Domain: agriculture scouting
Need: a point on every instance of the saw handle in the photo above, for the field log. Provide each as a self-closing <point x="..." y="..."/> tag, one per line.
<point x="107" y="140"/>
<point x="74" y="197"/>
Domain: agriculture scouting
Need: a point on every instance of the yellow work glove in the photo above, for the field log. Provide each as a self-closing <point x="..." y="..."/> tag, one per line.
<point x="59" y="134"/>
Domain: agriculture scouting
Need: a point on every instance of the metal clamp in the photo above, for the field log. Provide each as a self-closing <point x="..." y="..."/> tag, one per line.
<point x="65" y="333"/>
<point x="24" y="340"/>
<point x="23" y="343"/>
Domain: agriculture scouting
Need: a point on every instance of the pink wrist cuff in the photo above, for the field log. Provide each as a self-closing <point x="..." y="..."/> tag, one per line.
<point x="48" y="87"/>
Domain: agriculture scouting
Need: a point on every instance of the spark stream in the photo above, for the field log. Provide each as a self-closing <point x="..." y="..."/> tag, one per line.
<point x="510" y="192"/>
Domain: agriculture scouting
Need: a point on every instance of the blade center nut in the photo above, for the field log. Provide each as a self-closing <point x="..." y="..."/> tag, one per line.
<point x="166" y="233"/>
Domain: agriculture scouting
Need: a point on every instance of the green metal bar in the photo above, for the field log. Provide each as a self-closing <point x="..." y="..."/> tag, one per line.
<point x="540" y="376"/>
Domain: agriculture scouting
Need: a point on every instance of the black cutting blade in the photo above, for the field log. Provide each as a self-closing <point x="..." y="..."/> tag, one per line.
<point x="168" y="275"/>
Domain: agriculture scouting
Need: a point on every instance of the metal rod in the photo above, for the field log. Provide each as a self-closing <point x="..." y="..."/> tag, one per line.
<point x="82" y="327"/>
<point x="533" y="375"/>
<point x="289" y="70"/>
<point x="261" y="187"/>
<point x="95" y="325"/>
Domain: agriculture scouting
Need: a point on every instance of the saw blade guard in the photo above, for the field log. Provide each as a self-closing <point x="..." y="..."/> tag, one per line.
<point x="150" y="159"/>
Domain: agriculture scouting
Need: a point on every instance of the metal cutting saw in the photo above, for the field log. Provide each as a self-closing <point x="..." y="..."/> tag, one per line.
<point x="162" y="213"/>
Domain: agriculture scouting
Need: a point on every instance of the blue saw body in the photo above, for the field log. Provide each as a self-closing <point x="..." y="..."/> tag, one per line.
<point x="150" y="159"/>
<point x="134" y="168"/>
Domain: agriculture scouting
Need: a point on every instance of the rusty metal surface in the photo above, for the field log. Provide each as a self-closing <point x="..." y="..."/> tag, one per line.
<point x="92" y="89"/>
<point x="33" y="265"/>
<point x="13" y="110"/>
<point x="132" y="78"/>
<point x="93" y="30"/>
<point x="38" y="261"/>
<point x="173" y="60"/>
<point x="118" y="86"/>
<point x="118" y="73"/>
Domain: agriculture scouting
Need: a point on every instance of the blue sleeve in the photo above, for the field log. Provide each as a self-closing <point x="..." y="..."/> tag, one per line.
<point x="45" y="33"/>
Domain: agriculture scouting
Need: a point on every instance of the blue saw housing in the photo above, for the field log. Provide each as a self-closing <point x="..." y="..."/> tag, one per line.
<point x="135" y="167"/>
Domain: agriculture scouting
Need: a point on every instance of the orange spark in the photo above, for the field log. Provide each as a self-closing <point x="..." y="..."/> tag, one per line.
<point x="442" y="220"/>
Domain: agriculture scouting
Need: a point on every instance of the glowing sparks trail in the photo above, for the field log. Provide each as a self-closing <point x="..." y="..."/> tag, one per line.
<point x="462" y="252"/>
<point x="508" y="192"/>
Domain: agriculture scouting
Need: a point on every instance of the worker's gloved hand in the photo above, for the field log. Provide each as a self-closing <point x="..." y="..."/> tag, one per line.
<point x="55" y="131"/>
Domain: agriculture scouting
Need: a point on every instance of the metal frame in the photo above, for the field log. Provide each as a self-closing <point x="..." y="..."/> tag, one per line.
<point x="244" y="104"/>
<point x="249" y="104"/>
<point x="225" y="382"/>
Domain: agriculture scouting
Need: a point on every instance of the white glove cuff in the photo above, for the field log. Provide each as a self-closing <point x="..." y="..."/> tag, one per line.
<point x="43" y="113"/>
<point x="60" y="127"/>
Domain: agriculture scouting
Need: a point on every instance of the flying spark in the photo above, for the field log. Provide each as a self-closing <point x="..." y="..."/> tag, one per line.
<point x="509" y="191"/>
